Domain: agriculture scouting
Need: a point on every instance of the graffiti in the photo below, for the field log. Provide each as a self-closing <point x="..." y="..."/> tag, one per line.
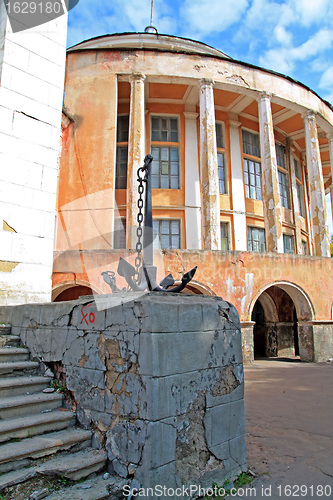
<point x="91" y="316"/>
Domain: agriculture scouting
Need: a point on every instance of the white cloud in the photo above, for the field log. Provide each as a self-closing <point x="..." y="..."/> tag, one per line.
<point x="326" y="80"/>
<point x="309" y="12"/>
<point x="204" y="17"/>
<point x="283" y="59"/>
<point x="282" y="35"/>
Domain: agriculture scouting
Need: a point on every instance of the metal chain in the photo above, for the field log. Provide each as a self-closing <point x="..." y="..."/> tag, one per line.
<point x="139" y="231"/>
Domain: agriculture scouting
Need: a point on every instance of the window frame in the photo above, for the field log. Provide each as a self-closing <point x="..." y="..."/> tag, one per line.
<point x="221" y="153"/>
<point x="227" y="238"/>
<point x="121" y="146"/>
<point x="251" y="188"/>
<point x="160" y="221"/>
<point x="283" y="173"/>
<point x="299" y="186"/>
<point x="288" y="237"/>
<point x="262" y="231"/>
<point x="117" y="231"/>
<point x="166" y="145"/>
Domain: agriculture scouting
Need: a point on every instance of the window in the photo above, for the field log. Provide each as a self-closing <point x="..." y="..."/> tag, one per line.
<point x="299" y="187"/>
<point x="165" y="166"/>
<point x="166" y="233"/>
<point x="122" y="152"/>
<point x="283" y="176"/>
<point x="224" y="236"/>
<point x="119" y="238"/>
<point x="284" y="189"/>
<point x="305" y="248"/>
<point x="252" y="165"/>
<point x="256" y="239"/>
<point x="221" y="167"/>
<point x="121" y="168"/>
<point x="251" y="144"/>
<point x="288" y="245"/>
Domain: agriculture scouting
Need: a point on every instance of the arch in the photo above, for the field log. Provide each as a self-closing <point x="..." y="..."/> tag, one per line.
<point x="197" y="288"/>
<point x="287" y="328"/>
<point x="59" y="289"/>
<point x="303" y="305"/>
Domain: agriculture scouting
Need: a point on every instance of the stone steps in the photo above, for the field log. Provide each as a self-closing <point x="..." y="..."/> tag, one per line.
<point x="18" y="406"/>
<point x="33" y="428"/>
<point x="13" y="354"/>
<point x="93" y="489"/>
<point x="46" y="444"/>
<point x="9" y="340"/>
<point x="18" y="368"/>
<point x="73" y="466"/>
<point x="16" y="386"/>
<point x="32" y="425"/>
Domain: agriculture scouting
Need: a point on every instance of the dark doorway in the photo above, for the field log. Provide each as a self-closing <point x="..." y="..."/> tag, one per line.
<point x="73" y="293"/>
<point x="259" y="331"/>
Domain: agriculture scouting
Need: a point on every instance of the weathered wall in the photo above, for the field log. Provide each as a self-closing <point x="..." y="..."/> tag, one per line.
<point x="32" y="67"/>
<point x="159" y="378"/>
<point x="238" y="277"/>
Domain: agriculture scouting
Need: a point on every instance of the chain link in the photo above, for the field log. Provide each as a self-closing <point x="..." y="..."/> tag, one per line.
<point x="139" y="231"/>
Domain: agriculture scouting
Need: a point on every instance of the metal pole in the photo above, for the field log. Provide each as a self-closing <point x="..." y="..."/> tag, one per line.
<point x="148" y="220"/>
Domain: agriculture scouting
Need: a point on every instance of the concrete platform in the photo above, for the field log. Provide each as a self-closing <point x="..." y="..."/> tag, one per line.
<point x="289" y="431"/>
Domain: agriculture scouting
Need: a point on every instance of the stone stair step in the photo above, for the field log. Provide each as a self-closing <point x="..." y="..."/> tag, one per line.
<point x="92" y="489"/>
<point x="5" y="329"/>
<point x="41" y="446"/>
<point x="13" y="354"/>
<point x="9" y="340"/>
<point x="32" y="425"/>
<point x="28" y="404"/>
<point x="22" y="385"/>
<point x="18" y="368"/>
<point x="73" y="466"/>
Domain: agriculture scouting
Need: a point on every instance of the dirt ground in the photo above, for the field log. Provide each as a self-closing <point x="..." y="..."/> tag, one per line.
<point x="289" y="426"/>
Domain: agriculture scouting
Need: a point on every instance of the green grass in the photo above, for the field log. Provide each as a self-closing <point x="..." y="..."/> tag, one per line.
<point x="242" y="480"/>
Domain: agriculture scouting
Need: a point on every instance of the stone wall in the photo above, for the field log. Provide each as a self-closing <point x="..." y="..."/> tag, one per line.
<point x="32" y="68"/>
<point x="158" y="377"/>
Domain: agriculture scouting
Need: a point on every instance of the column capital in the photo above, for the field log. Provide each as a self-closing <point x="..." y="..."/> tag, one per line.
<point x="264" y="96"/>
<point x="206" y="82"/>
<point x="191" y="115"/>
<point x="135" y="77"/>
<point x="330" y="136"/>
<point x="309" y="115"/>
<point x="234" y="123"/>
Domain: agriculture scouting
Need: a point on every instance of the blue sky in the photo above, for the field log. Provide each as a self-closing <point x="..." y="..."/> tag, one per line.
<point x="293" y="37"/>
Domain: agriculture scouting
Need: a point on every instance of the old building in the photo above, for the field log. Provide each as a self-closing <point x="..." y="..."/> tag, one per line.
<point x="243" y="158"/>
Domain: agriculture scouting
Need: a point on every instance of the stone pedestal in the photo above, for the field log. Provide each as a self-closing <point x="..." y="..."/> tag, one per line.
<point x="158" y="377"/>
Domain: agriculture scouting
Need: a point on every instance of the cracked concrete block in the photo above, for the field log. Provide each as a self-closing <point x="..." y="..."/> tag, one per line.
<point x="227" y="387"/>
<point x="224" y="422"/>
<point x="43" y="338"/>
<point x="191" y="351"/>
<point x="88" y="318"/>
<point x="161" y="441"/>
<point x="161" y="315"/>
<point x="114" y="318"/>
<point x="238" y="451"/>
<point x="6" y="315"/>
<point x="55" y="314"/>
<point x="74" y="350"/>
<point x="58" y="343"/>
<point x="162" y="397"/>
<point x="27" y="315"/>
<point x="165" y="475"/>
<point x="84" y="416"/>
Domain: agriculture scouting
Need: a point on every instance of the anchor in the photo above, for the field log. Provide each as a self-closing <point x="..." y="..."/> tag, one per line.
<point x="140" y="278"/>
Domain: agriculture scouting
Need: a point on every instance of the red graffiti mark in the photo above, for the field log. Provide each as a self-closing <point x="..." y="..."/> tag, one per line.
<point x="91" y="317"/>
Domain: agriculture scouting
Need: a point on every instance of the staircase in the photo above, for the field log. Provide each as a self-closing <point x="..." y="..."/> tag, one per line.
<point x="34" y="426"/>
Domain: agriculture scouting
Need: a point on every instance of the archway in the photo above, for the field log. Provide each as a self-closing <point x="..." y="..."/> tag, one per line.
<point x="283" y="315"/>
<point x="73" y="293"/>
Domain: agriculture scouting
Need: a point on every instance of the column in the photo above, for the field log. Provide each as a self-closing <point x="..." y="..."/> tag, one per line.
<point x="136" y="154"/>
<point x="270" y="190"/>
<point x="316" y="188"/>
<point x="192" y="183"/>
<point x="330" y="145"/>
<point x="237" y="188"/>
<point x="296" y="207"/>
<point x="210" y="196"/>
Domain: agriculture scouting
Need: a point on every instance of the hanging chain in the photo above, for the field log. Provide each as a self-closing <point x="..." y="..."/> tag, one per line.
<point x="139" y="231"/>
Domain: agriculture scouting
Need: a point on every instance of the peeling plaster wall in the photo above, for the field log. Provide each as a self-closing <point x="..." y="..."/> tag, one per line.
<point x="159" y="379"/>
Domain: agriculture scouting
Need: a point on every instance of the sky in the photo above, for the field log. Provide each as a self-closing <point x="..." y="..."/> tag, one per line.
<point x="293" y="37"/>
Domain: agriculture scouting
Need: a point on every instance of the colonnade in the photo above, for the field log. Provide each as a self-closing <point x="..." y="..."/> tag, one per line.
<point x="206" y="235"/>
